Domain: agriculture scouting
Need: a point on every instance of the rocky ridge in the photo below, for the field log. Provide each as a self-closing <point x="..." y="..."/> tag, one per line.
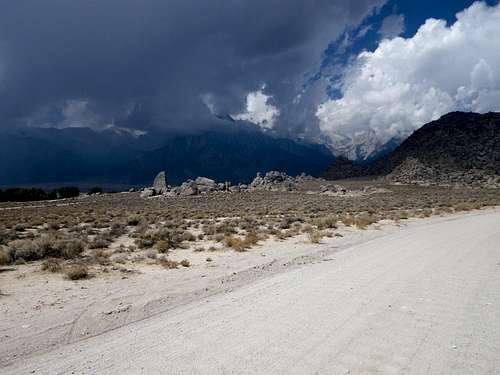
<point x="275" y="181"/>
<point x="413" y="172"/>
<point x="459" y="149"/>
<point x="272" y="181"/>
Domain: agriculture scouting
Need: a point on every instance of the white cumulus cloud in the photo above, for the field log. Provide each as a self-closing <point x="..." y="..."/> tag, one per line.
<point x="405" y="83"/>
<point x="258" y="110"/>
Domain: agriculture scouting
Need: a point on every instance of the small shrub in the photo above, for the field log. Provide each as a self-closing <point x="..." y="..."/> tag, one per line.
<point x="362" y="222"/>
<point x="7" y="235"/>
<point x="307" y="228"/>
<point x="101" y="241"/>
<point x="117" y="229"/>
<point x="168" y="263"/>
<point x="348" y="221"/>
<point x="133" y="220"/>
<point x="68" y="249"/>
<point x="99" y="256"/>
<point x="144" y="243"/>
<point x="118" y="258"/>
<point x="329" y="222"/>
<point x="237" y="244"/>
<point x="5" y="256"/>
<point x="77" y="272"/>
<point x="185" y="263"/>
<point x="25" y="249"/>
<point x="188" y="236"/>
<point x="52" y="265"/>
<point x="251" y="239"/>
<point x="19" y="228"/>
<point x="226" y="228"/>
<point x="162" y="246"/>
<point x="54" y="226"/>
<point x="403" y="215"/>
<point x="315" y="236"/>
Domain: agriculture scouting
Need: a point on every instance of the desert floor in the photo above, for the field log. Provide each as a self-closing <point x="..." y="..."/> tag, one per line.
<point x="421" y="296"/>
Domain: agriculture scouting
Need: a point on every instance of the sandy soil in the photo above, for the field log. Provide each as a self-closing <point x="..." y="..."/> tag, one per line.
<point x="418" y="299"/>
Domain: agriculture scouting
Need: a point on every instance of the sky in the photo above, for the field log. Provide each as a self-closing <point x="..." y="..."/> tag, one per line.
<point x="311" y="69"/>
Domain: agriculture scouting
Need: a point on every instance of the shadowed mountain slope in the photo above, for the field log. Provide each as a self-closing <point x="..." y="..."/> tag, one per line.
<point x="110" y="158"/>
<point x="456" y="148"/>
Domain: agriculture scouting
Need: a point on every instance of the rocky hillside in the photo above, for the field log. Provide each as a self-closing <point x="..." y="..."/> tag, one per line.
<point x="459" y="148"/>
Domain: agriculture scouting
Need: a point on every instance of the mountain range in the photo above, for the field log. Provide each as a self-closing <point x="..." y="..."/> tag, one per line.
<point x="114" y="158"/>
<point x="457" y="148"/>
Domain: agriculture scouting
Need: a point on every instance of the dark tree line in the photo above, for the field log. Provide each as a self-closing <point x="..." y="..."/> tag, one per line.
<point x="35" y="194"/>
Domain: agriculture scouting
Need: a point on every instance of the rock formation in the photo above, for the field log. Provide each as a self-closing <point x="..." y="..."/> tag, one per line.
<point x="160" y="183"/>
<point x="273" y="181"/>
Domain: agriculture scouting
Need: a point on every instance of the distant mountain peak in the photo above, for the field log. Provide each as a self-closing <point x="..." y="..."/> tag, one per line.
<point x="363" y="146"/>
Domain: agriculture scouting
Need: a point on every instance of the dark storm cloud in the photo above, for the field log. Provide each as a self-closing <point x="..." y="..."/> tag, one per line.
<point x="149" y="63"/>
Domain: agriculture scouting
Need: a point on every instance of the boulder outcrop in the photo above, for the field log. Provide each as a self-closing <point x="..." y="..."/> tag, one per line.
<point x="160" y="183"/>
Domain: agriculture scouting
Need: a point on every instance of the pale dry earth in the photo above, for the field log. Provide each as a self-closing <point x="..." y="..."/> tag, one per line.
<point x="40" y="311"/>
<point x="423" y="299"/>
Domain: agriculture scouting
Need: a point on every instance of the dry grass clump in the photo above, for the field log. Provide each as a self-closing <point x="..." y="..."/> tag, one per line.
<point x="43" y="247"/>
<point x="162" y="239"/>
<point x="235" y="243"/>
<point x="99" y="256"/>
<point x="162" y="246"/>
<point x="227" y="228"/>
<point x="77" y="272"/>
<point x="52" y="265"/>
<point x="134" y="220"/>
<point x="464" y="206"/>
<point x="117" y="229"/>
<point x="188" y="236"/>
<point x="348" y="220"/>
<point x="120" y="258"/>
<point x="426" y="212"/>
<point x="363" y="221"/>
<point x="315" y="235"/>
<point x="167" y="263"/>
<point x="5" y="257"/>
<point x="328" y="222"/>
<point x="101" y="241"/>
<point x="68" y="248"/>
<point x="7" y="235"/>
<point x="241" y="244"/>
<point x="19" y="228"/>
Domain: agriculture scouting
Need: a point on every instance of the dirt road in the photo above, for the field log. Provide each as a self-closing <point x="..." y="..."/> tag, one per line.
<point x="425" y="300"/>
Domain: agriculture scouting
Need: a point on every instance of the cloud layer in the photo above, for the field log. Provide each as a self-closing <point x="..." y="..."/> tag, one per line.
<point x="259" y="110"/>
<point x="158" y="63"/>
<point x="405" y="83"/>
